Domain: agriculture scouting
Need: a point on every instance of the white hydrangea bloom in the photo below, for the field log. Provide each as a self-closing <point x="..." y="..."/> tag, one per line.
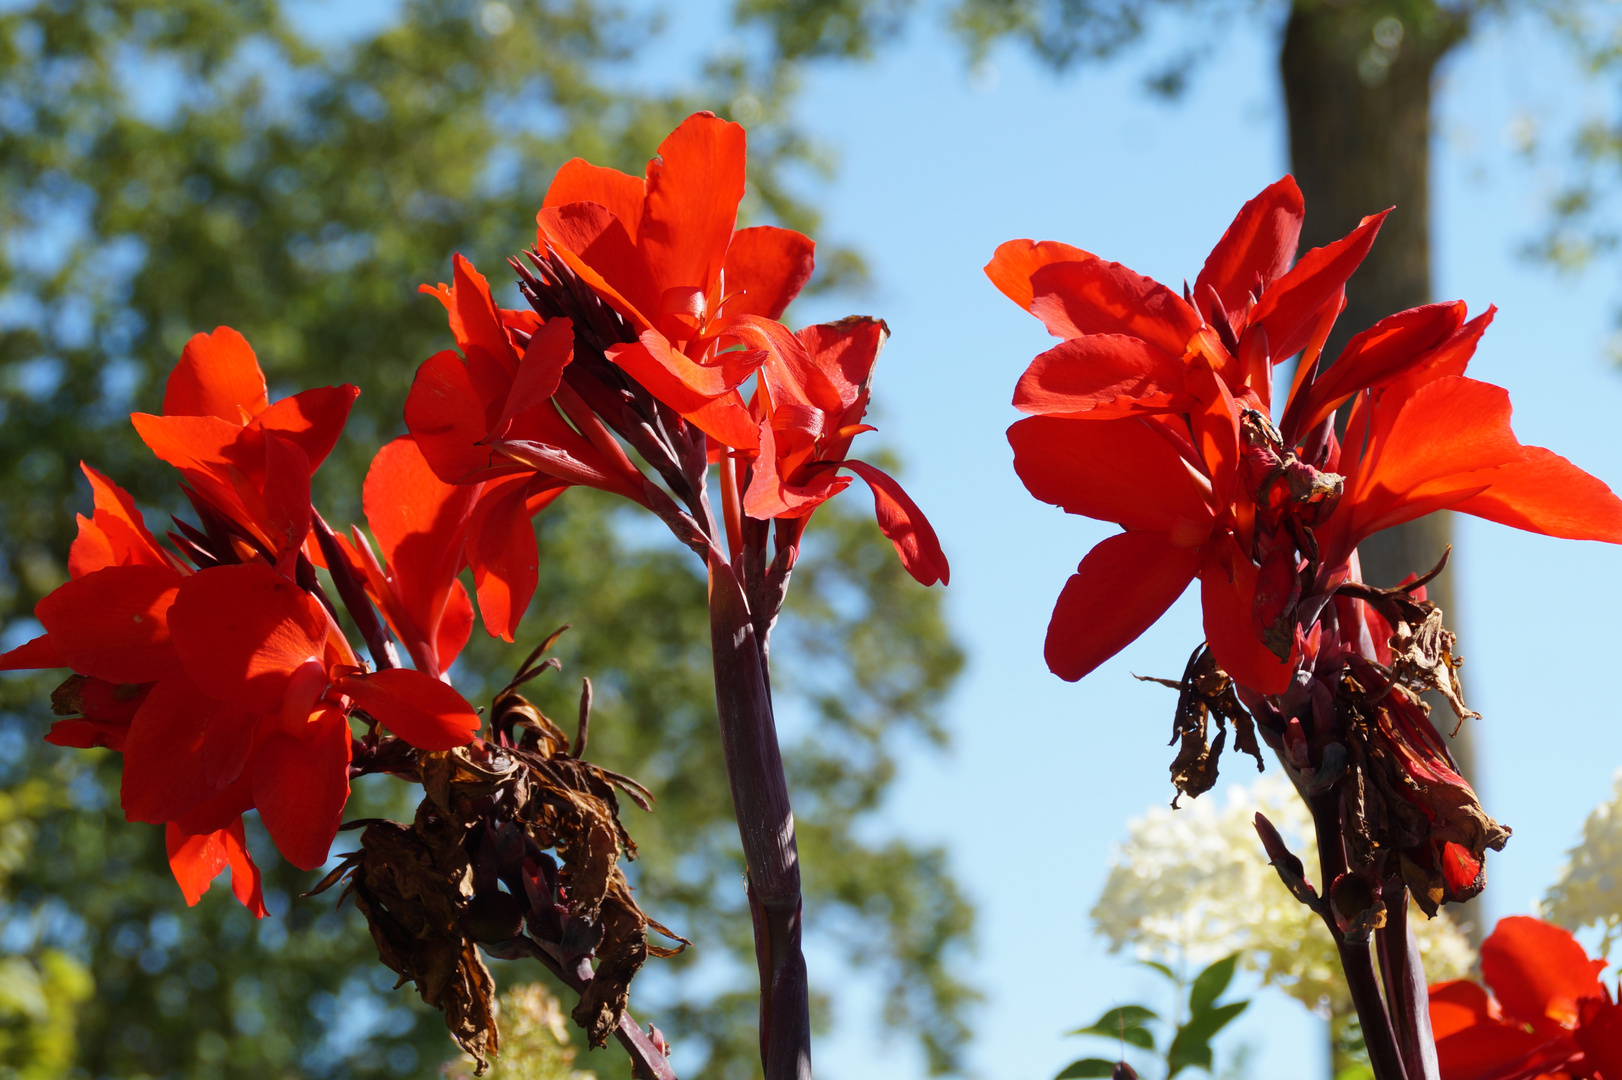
<point x="1194" y="885"/>
<point x="1589" y="889"/>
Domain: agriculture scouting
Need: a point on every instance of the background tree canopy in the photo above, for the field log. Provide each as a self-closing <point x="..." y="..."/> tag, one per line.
<point x="168" y="167"/>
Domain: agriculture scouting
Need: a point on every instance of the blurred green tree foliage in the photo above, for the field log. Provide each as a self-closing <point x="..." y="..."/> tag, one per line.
<point x="169" y="166"/>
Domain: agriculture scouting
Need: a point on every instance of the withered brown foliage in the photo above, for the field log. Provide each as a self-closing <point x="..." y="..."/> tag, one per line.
<point x="515" y="847"/>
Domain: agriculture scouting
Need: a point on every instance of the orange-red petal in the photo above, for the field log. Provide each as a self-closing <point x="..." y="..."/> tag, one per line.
<point x="1098" y="297"/>
<point x="579" y="181"/>
<point x="1119" y="590"/>
<point x="114" y="623"/>
<point x="1099" y="377"/>
<point x="1112" y="470"/>
<point x="165" y="773"/>
<point x="1538" y="972"/>
<point x="900" y="519"/>
<point x="196" y="859"/>
<point x="243" y="631"/>
<point x="218" y="375"/>
<point x="300" y="784"/>
<point x="1228" y="601"/>
<point x="423" y="711"/>
<point x="1014" y="262"/>
<point x="1256" y="249"/>
<point x="1290" y="308"/>
<point x="694" y="186"/>
<point x="766" y="267"/>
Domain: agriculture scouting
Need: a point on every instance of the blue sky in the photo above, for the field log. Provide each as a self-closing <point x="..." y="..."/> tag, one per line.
<point x="937" y="168"/>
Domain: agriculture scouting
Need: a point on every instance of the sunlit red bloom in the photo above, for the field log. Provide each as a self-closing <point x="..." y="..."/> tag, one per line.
<point x="812" y="397"/>
<point x="1549" y="1016"/>
<point x="1153" y="414"/>
<point x="663" y="251"/>
<point x="226" y="684"/>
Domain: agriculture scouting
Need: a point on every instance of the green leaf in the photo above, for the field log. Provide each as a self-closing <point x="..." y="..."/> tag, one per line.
<point x="1087" y="1067"/>
<point x="1191" y="1048"/>
<point x="1124" y="1022"/>
<point x="1162" y="968"/>
<point x="1209" y="984"/>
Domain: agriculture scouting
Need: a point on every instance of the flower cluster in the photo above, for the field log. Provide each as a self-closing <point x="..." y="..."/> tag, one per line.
<point x="1587" y="890"/>
<point x="1155" y="412"/>
<point x="219" y="668"/>
<point x="1549" y="1016"/>
<point x="651" y="316"/>
<point x="1186" y="885"/>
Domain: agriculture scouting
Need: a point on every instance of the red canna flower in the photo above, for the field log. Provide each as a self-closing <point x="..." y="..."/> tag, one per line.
<point x="663" y="252"/>
<point x="812" y="396"/>
<point x="1549" y="1016"/>
<point x="226" y="682"/>
<point x="1145" y="411"/>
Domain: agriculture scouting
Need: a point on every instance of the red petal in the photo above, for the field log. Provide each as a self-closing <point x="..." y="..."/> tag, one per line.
<point x="766" y="267"/>
<point x="550" y="350"/>
<point x="1228" y="598"/>
<point x="37" y="653"/>
<point x="1439" y="449"/>
<point x="1256" y="249"/>
<point x="901" y="520"/>
<point x="1538" y="972"/>
<point x="1376" y="356"/>
<point x="445" y="415"/>
<point x="423" y="711"/>
<point x="195" y="860"/>
<point x="1098" y="297"/>
<point x="693" y="190"/>
<point x="1600" y="1036"/>
<point x="165" y="774"/>
<point x="1100" y="376"/>
<point x="1498" y="1051"/>
<point x="673" y="378"/>
<point x="420" y="523"/>
<point x="114" y="623"/>
<point x="1545" y="493"/>
<point x="1119" y="590"/>
<point x="243" y="631"/>
<point x="245" y="881"/>
<point x="580" y="181"/>
<point x="1112" y="470"/>
<point x="1289" y="309"/>
<point x="285" y="494"/>
<point x="1010" y="269"/>
<point x="846" y="351"/>
<point x="116" y="536"/>
<point x="474" y="318"/>
<point x="504" y="556"/>
<point x="311" y="419"/>
<point x="727" y="421"/>
<point x="218" y="375"/>
<point x="300" y="785"/>
<point x="596" y="246"/>
<point x="1457" y="1005"/>
<point x="455" y="626"/>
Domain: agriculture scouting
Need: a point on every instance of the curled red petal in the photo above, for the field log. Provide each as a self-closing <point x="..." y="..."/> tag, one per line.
<point x="1014" y="262"/>
<point x="311" y="419"/>
<point x="300" y="784"/>
<point x="550" y="350"/>
<point x="579" y="181"/>
<point x="1256" y="249"/>
<point x="196" y="859"/>
<point x="243" y="631"/>
<point x="446" y="417"/>
<point x="455" y="626"/>
<point x="1098" y="297"/>
<point x="114" y="623"/>
<point x="1290" y="308"/>
<point x="596" y="246"/>
<point x="116" y="535"/>
<point x="218" y="375"/>
<point x="1123" y="585"/>
<point x="900" y="519"/>
<point x="423" y="711"/>
<point x="1101" y="377"/>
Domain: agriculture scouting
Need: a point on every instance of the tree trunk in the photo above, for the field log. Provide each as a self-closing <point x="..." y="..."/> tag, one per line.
<point x="1357" y="89"/>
